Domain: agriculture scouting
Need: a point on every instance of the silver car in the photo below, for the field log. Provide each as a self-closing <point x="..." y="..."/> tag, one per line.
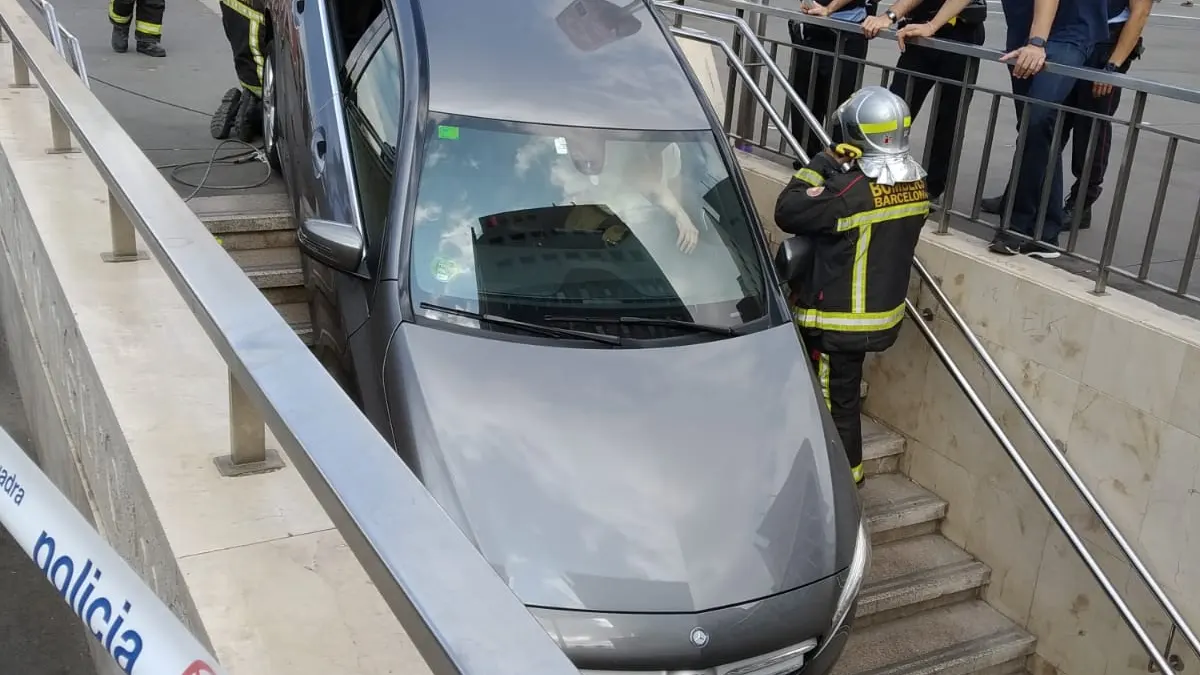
<point x="535" y="265"/>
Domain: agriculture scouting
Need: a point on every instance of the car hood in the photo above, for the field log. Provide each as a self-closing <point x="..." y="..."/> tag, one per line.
<point x="674" y="479"/>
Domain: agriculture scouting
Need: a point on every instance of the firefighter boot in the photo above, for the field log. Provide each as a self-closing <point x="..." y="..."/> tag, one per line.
<point x="150" y="47"/>
<point x="226" y="114"/>
<point x="120" y="38"/>
<point x="248" y="125"/>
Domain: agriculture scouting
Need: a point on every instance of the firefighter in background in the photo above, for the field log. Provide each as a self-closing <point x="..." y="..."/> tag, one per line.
<point x="862" y="205"/>
<point x="147" y="27"/>
<point x="240" y="113"/>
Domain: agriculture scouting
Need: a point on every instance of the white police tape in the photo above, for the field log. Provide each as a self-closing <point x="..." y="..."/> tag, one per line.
<point x="119" y="610"/>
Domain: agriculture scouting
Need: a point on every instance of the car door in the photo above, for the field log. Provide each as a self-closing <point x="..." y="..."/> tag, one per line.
<point x="374" y="87"/>
<point x="325" y="186"/>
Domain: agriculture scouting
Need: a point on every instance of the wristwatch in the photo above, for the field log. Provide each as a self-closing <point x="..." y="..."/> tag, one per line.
<point x="891" y="16"/>
<point x="1037" y="42"/>
<point x="1110" y="67"/>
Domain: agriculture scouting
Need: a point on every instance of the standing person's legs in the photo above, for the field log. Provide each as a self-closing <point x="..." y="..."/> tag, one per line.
<point x="1093" y="183"/>
<point x="148" y="28"/>
<point x="954" y="68"/>
<point x="246" y="30"/>
<point x="120" y="15"/>
<point x="840" y="377"/>
<point x="809" y="70"/>
<point x="1039" y="156"/>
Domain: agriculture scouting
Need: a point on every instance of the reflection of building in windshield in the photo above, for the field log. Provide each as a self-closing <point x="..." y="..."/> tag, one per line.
<point x="568" y="260"/>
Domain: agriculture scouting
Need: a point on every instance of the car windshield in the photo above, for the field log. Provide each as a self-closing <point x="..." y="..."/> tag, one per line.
<point x="563" y="226"/>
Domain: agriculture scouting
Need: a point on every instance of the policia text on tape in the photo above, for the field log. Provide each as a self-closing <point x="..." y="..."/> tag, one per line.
<point x="127" y="618"/>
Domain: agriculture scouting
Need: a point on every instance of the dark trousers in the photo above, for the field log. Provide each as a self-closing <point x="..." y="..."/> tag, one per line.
<point x="1039" y="156"/>
<point x="1077" y="129"/>
<point x="148" y="26"/>
<point x="810" y="67"/>
<point x="938" y="64"/>
<point x="840" y="376"/>
<point x="248" y="34"/>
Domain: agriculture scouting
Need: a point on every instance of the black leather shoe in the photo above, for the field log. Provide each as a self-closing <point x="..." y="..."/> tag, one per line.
<point x="151" y="48"/>
<point x="120" y="39"/>
<point x="993" y="205"/>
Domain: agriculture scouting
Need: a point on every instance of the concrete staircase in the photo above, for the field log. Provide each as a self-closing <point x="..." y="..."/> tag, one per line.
<point x="920" y="611"/>
<point x="260" y="235"/>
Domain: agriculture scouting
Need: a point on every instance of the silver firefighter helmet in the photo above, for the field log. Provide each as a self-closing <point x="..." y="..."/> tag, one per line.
<point x="877" y="122"/>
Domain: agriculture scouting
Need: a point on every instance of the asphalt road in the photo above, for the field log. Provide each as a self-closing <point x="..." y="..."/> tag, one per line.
<point x="38" y="633"/>
<point x="1169" y="58"/>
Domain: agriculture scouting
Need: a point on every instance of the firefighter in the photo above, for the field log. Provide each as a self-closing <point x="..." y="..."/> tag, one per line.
<point x="862" y="205"/>
<point x="240" y="112"/>
<point x="147" y="28"/>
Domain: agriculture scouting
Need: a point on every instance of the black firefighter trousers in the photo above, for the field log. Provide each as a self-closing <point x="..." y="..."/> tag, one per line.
<point x="246" y="29"/>
<point x="148" y="27"/>
<point x="840" y="376"/>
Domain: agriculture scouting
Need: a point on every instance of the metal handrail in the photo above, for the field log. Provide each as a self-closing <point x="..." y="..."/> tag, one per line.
<point x="460" y="615"/>
<point x="1060" y="458"/>
<point x="1126" y="614"/>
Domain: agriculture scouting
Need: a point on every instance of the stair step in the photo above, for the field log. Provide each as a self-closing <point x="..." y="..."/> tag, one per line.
<point x="962" y="639"/>
<point x="280" y="257"/>
<point x="897" y="508"/>
<point x="248" y="241"/>
<point x="295" y="313"/>
<point x="912" y="575"/>
<point x="882" y="448"/>
<point x="276" y="276"/>
<point x="304" y="331"/>
<point x="248" y="212"/>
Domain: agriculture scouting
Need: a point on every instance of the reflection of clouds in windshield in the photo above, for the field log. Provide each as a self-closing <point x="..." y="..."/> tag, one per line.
<point x="530" y="153"/>
<point x="427" y="212"/>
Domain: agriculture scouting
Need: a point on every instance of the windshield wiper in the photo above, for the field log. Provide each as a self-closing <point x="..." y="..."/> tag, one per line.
<point x="549" y="331"/>
<point x="647" y="321"/>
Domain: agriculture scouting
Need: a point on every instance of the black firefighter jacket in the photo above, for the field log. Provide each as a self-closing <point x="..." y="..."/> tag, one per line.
<point x="865" y="236"/>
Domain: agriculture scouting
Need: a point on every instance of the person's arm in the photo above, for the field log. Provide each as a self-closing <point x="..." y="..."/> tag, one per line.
<point x="951" y="9"/>
<point x="815" y="9"/>
<point x="1131" y="32"/>
<point x="1028" y="60"/>
<point x="815" y="198"/>
<point x="900" y="9"/>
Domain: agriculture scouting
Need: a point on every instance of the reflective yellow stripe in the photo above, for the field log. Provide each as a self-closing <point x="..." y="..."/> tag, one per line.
<point x="848" y="322"/>
<point x="254" y="89"/>
<point x="881" y="127"/>
<point x="811" y="177"/>
<point x="858" y="472"/>
<point x="245" y="10"/>
<point x="823" y="377"/>
<point x="147" y="28"/>
<point x="255" y="51"/>
<point x="117" y="18"/>
<point x="866" y="218"/>
<point x="858" y="277"/>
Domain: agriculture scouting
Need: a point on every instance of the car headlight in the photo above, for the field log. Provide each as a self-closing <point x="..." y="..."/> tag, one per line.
<point x="855" y="574"/>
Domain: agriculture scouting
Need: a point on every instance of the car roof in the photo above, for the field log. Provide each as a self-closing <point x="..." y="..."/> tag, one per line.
<point x="514" y="60"/>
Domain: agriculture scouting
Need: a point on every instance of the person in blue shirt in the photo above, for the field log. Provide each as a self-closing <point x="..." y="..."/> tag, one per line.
<point x="810" y="65"/>
<point x="1064" y="32"/>
<point x="1114" y="54"/>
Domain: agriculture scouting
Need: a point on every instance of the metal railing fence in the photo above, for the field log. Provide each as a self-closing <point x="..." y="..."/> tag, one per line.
<point x="1147" y="233"/>
<point x="460" y="615"/>
<point x="1166" y="659"/>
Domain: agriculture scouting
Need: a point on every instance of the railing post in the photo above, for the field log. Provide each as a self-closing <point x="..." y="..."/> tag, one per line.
<point x="248" y="451"/>
<point x="60" y="134"/>
<point x="124" y="239"/>
<point x="20" y="70"/>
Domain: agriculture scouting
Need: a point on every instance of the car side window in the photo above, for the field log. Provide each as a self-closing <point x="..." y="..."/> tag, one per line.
<point x="373" y="102"/>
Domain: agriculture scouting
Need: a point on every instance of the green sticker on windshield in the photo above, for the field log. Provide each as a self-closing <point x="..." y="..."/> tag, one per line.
<point x="447" y="133"/>
<point x="444" y="269"/>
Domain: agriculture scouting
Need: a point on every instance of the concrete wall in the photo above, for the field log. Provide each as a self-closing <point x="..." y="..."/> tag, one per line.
<point x="129" y="404"/>
<point x="1115" y="380"/>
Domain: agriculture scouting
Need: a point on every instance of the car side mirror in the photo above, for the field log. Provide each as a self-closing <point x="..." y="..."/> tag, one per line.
<point x="794" y="258"/>
<point x="338" y="245"/>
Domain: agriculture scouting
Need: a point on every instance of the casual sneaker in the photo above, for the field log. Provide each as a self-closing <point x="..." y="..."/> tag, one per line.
<point x="151" y="48"/>
<point x="993" y="205"/>
<point x="1037" y="249"/>
<point x="1004" y="245"/>
<point x="226" y="114"/>
<point x="120" y="39"/>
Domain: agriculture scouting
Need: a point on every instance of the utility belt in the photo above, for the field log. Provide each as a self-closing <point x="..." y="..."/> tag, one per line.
<point x="974" y="14"/>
